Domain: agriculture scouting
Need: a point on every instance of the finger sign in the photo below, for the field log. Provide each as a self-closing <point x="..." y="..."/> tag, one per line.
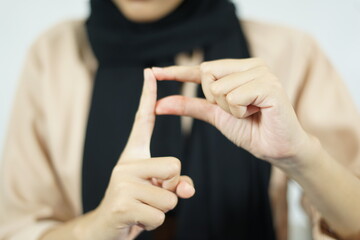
<point x="138" y="145"/>
<point x="192" y="74"/>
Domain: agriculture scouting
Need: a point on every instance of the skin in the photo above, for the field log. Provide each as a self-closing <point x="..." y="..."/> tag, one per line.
<point x="142" y="11"/>
<point x="247" y="103"/>
<point x="141" y="189"/>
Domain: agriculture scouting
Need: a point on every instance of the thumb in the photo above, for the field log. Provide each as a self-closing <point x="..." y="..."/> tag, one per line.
<point x="184" y="106"/>
<point x="185" y="188"/>
<point x="138" y="145"/>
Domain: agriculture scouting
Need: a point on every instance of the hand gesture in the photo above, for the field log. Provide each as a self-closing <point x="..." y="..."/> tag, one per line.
<point x="141" y="189"/>
<point x="245" y="101"/>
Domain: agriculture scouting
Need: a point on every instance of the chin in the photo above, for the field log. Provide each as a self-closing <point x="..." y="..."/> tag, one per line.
<point x="143" y="11"/>
<point x="142" y="16"/>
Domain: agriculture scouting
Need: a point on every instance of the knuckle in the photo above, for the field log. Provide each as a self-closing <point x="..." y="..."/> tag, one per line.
<point x="123" y="186"/>
<point x="174" y="165"/>
<point x="135" y="218"/>
<point x="205" y="67"/>
<point x="120" y="209"/>
<point x="172" y="202"/>
<point x="215" y="89"/>
<point x="231" y="99"/>
<point x="159" y="219"/>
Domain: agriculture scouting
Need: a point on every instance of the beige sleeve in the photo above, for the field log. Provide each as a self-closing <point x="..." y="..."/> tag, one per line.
<point x="30" y="198"/>
<point x="326" y="110"/>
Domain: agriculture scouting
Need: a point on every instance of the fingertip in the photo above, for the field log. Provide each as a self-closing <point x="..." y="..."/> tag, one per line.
<point x="185" y="190"/>
<point x="167" y="106"/>
<point x="159" y="109"/>
<point x="158" y="72"/>
<point x="148" y="74"/>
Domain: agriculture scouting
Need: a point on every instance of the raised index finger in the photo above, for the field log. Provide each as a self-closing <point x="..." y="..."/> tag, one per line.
<point x="138" y="145"/>
<point x="216" y="68"/>
<point x="221" y="68"/>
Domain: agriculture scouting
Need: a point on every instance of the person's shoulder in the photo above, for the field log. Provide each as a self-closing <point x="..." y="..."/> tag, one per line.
<point x="273" y="29"/>
<point x="62" y="45"/>
<point x="287" y="51"/>
<point x="268" y="38"/>
<point x="63" y="31"/>
<point x="64" y="37"/>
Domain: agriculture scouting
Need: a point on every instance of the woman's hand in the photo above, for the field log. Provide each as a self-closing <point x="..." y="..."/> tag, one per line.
<point x="141" y="189"/>
<point x="246" y="102"/>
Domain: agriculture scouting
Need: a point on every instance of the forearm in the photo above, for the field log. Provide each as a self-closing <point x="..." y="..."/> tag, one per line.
<point x="331" y="188"/>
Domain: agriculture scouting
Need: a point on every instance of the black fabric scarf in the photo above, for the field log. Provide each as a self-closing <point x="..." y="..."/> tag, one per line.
<point x="231" y="200"/>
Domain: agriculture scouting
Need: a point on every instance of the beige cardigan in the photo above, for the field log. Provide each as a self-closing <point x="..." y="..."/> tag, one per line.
<point x="41" y="172"/>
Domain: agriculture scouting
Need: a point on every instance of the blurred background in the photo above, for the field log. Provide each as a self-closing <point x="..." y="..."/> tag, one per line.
<point x="334" y="24"/>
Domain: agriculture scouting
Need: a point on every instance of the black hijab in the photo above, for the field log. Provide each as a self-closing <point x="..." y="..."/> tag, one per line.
<point x="231" y="200"/>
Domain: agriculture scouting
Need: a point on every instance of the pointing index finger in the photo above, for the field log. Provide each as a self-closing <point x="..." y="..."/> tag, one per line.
<point x="217" y="68"/>
<point x="178" y="73"/>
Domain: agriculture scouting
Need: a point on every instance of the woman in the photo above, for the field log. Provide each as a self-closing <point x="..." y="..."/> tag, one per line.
<point x="63" y="177"/>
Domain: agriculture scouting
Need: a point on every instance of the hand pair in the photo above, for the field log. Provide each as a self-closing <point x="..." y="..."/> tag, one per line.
<point x="244" y="100"/>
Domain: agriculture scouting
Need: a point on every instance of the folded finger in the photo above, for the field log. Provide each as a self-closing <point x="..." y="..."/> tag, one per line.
<point x="224" y="85"/>
<point x="156" y="197"/>
<point x="250" y="98"/>
<point x="163" y="168"/>
<point x="147" y="217"/>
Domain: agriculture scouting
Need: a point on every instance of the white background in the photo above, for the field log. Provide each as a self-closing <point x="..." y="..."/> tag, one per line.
<point x="334" y="23"/>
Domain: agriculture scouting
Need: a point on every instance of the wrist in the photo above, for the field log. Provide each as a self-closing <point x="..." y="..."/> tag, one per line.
<point x="82" y="229"/>
<point x="307" y="158"/>
<point x="90" y="227"/>
<point x="98" y="226"/>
